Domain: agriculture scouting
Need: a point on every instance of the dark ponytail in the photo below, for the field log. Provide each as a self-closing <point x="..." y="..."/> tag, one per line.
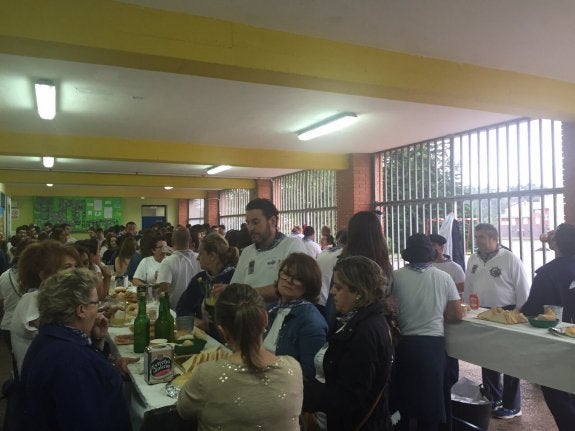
<point x="240" y="310"/>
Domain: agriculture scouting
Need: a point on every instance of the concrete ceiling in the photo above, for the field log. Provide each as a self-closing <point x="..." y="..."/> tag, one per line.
<point x="153" y="92"/>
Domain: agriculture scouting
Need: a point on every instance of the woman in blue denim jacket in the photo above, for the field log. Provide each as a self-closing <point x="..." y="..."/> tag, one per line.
<point x="296" y="327"/>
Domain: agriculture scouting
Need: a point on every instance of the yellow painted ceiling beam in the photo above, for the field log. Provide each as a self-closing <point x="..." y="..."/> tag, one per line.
<point x="9" y="176"/>
<point x="126" y="150"/>
<point x="118" y="34"/>
<point x="111" y="192"/>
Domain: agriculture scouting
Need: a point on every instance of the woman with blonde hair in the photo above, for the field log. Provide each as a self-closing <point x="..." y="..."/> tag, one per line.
<point x="218" y="261"/>
<point x="252" y="388"/>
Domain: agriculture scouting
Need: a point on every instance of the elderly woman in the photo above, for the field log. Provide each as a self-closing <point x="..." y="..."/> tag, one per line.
<point x="251" y="389"/>
<point x="350" y="389"/>
<point x="296" y="327"/>
<point x="37" y="262"/>
<point x="427" y="297"/>
<point x="67" y="383"/>
<point x="218" y="260"/>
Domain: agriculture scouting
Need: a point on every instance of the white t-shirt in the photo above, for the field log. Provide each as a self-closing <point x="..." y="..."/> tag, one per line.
<point x="500" y="281"/>
<point x="453" y="269"/>
<point x="21" y="332"/>
<point x="10" y="295"/>
<point x="178" y="269"/>
<point x="326" y="261"/>
<point x="312" y="248"/>
<point x="147" y="269"/>
<point x="422" y="297"/>
<point x="260" y="268"/>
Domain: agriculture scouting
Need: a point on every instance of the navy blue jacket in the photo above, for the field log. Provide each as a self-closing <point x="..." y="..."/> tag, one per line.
<point x="551" y="286"/>
<point x="302" y="334"/>
<point x="69" y="385"/>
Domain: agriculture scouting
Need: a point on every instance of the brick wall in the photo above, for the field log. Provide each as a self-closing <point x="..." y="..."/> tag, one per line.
<point x="264" y="189"/>
<point x="212" y="207"/>
<point x="569" y="171"/>
<point x="183" y="212"/>
<point x="354" y="188"/>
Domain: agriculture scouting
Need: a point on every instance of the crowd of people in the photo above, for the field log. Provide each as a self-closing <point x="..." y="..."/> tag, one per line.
<point x="323" y="335"/>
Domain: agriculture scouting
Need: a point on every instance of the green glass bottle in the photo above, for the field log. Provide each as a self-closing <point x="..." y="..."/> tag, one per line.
<point x="164" y="325"/>
<point x="141" y="326"/>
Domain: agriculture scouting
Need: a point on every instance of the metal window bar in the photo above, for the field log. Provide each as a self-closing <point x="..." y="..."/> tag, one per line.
<point x="418" y="199"/>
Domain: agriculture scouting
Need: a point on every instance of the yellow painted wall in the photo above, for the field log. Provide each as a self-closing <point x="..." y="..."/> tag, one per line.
<point x="131" y="210"/>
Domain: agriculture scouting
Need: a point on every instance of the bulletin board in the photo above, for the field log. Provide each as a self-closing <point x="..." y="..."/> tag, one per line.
<point x="80" y="213"/>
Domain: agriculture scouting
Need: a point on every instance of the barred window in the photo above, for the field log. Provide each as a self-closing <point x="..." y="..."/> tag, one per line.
<point x="233" y="207"/>
<point x="195" y="211"/>
<point x="508" y="174"/>
<point x="306" y="198"/>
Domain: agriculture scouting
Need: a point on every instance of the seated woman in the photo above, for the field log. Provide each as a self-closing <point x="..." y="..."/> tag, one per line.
<point x="350" y="389"/>
<point x="37" y="262"/>
<point x="154" y="250"/>
<point x="218" y="260"/>
<point x="127" y="256"/>
<point x="67" y="383"/>
<point x="427" y="297"/>
<point x="252" y="388"/>
<point x="296" y="326"/>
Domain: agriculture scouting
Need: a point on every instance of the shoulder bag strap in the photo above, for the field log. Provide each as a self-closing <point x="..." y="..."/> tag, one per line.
<point x="14" y="288"/>
<point x="376" y="402"/>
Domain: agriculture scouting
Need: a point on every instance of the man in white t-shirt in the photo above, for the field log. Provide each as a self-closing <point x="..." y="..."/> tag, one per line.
<point x="177" y="270"/>
<point x="312" y="247"/>
<point x="259" y="263"/>
<point x="498" y="277"/>
<point x="444" y="263"/>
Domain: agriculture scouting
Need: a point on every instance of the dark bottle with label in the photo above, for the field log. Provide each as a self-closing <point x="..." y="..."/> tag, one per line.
<point x="164" y="325"/>
<point x="141" y="325"/>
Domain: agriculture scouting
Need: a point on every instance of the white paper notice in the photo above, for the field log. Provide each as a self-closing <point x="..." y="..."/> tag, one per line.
<point x="97" y="205"/>
<point x="108" y="212"/>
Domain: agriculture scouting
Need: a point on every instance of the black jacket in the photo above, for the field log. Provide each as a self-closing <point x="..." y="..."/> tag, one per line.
<point x="356" y="365"/>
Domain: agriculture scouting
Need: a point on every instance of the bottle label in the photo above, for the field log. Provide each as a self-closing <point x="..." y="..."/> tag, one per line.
<point x="158" y="364"/>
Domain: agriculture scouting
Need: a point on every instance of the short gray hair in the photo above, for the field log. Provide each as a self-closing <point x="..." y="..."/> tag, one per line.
<point x="61" y="293"/>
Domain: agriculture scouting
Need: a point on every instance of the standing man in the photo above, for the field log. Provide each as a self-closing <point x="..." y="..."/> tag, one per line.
<point x="312" y="247"/>
<point x="554" y="284"/>
<point x="259" y="263"/>
<point x="498" y="277"/>
<point x="177" y="270"/>
<point x="444" y="262"/>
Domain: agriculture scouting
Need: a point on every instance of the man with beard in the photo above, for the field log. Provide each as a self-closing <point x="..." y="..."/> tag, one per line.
<point x="259" y="263"/>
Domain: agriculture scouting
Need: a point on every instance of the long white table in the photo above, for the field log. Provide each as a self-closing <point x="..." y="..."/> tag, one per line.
<point x="520" y="350"/>
<point x="144" y="398"/>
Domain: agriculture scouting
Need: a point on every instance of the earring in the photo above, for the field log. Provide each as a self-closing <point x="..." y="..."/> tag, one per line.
<point x="357" y="298"/>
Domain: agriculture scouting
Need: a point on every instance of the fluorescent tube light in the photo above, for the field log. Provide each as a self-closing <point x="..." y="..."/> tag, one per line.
<point x="48" y="162"/>
<point x="329" y="125"/>
<point x="218" y="169"/>
<point x="46" y="99"/>
<point x="49" y="185"/>
<point x="168" y="187"/>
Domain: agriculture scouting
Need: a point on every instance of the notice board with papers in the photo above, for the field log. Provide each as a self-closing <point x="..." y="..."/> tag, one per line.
<point x="81" y="213"/>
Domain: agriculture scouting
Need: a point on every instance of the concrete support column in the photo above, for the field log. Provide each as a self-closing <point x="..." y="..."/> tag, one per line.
<point x="264" y="189"/>
<point x="354" y="188"/>
<point x="212" y="207"/>
<point x="183" y="212"/>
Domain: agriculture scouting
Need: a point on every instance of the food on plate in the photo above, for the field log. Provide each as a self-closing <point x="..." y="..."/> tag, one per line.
<point x="188" y="342"/>
<point x="549" y="314"/>
<point x="570" y="330"/>
<point x="122" y="340"/>
<point x="499" y="315"/>
<point x="206" y="355"/>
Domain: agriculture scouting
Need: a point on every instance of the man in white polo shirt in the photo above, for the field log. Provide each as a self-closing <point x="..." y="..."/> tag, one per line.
<point x="177" y="270"/>
<point x="259" y="263"/>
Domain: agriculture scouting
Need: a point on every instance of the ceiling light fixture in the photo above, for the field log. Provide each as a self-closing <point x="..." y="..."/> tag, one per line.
<point x="49" y="185"/>
<point x="331" y="124"/>
<point x="168" y="187"/>
<point x="46" y="99"/>
<point x="48" y="162"/>
<point x="218" y="169"/>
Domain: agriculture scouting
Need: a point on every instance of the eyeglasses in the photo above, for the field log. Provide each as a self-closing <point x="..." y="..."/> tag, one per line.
<point x="289" y="278"/>
<point x="92" y="303"/>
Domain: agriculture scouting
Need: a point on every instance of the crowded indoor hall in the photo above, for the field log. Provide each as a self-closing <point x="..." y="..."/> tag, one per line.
<point x="287" y="215"/>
